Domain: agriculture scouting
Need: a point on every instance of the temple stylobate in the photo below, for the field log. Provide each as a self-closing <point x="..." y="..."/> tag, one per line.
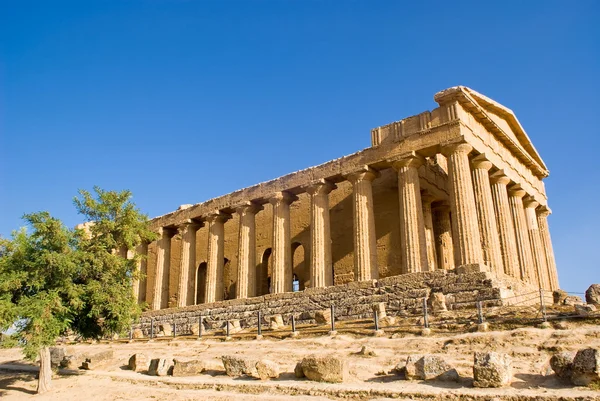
<point x="458" y="189"/>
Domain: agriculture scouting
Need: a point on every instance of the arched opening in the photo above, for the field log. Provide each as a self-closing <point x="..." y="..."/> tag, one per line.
<point x="201" y="283"/>
<point x="228" y="287"/>
<point x="300" y="274"/>
<point x="263" y="274"/>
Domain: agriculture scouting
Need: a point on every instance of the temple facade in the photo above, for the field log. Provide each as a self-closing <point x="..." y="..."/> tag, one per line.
<point x="458" y="188"/>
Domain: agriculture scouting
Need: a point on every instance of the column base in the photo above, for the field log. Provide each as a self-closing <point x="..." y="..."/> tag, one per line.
<point x="472" y="268"/>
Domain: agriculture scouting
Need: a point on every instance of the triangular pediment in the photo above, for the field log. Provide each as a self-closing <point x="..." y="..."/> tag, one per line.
<point x="499" y="118"/>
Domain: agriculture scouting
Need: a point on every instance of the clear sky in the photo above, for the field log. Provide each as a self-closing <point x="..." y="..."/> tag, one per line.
<point x="182" y="101"/>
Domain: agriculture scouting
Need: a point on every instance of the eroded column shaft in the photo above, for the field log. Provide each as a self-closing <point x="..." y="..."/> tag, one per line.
<point x="443" y="236"/>
<point x="506" y="227"/>
<point x="515" y="199"/>
<point x="160" y="298"/>
<point x="216" y="257"/>
<point x="139" y="280"/>
<point x="246" y="279"/>
<point x="188" y="263"/>
<point x="281" y="276"/>
<point x="539" y="268"/>
<point x="321" y="272"/>
<point x="542" y="218"/>
<point x="432" y="261"/>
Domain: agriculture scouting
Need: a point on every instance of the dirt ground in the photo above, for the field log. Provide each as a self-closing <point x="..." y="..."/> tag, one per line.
<point x="531" y="349"/>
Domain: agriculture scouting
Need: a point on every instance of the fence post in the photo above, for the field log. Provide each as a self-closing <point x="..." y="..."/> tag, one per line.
<point x="200" y="326"/>
<point x="259" y="325"/>
<point x="151" y="328"/>
<point x="425" y="314"/>
<point x="332" y="308"/>
<point x="293" y="324"/>
<point x="376" y="318"/>
<point x="227" y="330"/>
<point x="479" y="313"/>
<point x="174" y="328"/>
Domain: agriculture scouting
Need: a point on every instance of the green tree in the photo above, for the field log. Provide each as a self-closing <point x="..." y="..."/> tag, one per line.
<point x="54" y="279"/>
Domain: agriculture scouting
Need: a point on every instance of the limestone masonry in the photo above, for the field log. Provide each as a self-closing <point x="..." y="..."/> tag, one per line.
<point x="451" y="198"/>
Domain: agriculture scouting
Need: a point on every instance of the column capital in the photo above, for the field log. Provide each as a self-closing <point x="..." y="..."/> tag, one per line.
<point x="365" y="173"/>
<point x="516" y="191"/>
<point x="166" y="231"/>
<point x="459" y="147"/>
<point x="530" y="202"/>
<point x="499" y="178"/>
<point x="544" y="211"/>
<point x="217" y="216"/>
<point x="481" y="162"/>
<point x="441" y="206"/>
<point x="320" y="187"/>
<point x="188" y="224"/>
<point x="248" y="208"/>
<point x="282" y="197"/>
<point x="411" y="159"/>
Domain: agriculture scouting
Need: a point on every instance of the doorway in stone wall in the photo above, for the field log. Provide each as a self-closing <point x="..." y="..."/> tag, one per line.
<point x="201" y="283"/>
<point x="300" y="275"/>
<point x="263" y="273"/>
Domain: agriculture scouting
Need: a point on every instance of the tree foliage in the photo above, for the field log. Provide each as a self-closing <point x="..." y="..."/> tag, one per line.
<point x="54" y="279"/>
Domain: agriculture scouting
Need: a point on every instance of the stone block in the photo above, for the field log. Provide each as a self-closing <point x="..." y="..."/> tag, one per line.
<point x="188" y="368"/>
<point x="586" y="367"/>
<point x="138" y="362"/>
<point x="592" y="294"/>
<point x="266" y="369"/>
<point x="160" y="367"/>
<point x="57" y="354"/>
<point x="275" y="322"/>
<point x="437" y="302"/>
<point x="379" y="307"/>
<point x="165" y="329"/>
<point x="562" y="364"/>
<point x="234" y="326"/>
<point x="584" y="309"/>
<point x="559" y="296"/>
<point x="572" y="300"/>
<point x="323" y="316"/>
<point x="236" y="366"/>
<point x="492" y="369"/>
<point x="330" y="368"/>
<point x="137" y="333"/>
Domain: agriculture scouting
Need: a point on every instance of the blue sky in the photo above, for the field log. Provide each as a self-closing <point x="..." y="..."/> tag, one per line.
<point x="182" y="101"/>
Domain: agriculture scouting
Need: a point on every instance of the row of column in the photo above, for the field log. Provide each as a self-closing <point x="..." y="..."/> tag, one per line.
<point x="492" y="225"/>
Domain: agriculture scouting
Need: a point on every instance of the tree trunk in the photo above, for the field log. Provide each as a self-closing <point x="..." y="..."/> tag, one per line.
<point x="45" y="371"/>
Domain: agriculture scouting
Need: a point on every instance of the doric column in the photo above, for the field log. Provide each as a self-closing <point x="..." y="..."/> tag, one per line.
<point x="365" y="242"/>
<point x="246" y="281"/>
<point x="139" y="279"/>
<point x="429" y="234"/>
<point x="281" y="276"/>
<point x="488" y="227"/>
<point x="506" y="227"/>
<point x="321" y="272"/>
<point x="443" y="236"/>
<point x="185" y="288"/>
<point x="539" y="268"/>
<point x="216" y="256"/>
<point x="413" y="246"/>
<point x="467" y="242"/>
<point x="160" y="297"/>
<point x="515" y="198"/>
<point x="542" y="217"/>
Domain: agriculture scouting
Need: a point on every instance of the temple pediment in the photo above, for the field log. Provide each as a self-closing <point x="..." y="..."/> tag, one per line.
<point x="499" y="120"/>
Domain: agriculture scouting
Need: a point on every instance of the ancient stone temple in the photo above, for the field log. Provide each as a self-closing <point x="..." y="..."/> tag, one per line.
<point x="452" y="192"/>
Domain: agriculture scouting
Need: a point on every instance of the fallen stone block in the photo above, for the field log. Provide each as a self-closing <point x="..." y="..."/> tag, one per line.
<point x="592" y="294"/>
<point x="329" y="368"/>
<point x="492" y="369"/>
<point x="380" y="309"/>
<point x="266" y="369"/>
<point x="138" y="362"/>
<point x="188" y="368"/>
<point x="559" y="296"/>
<point x="572" y="300"/>
<point x="160" y="367"/>
<point x="387" y="321"/>
<point x="165" y="329"/>
<point x="586" y="367"/>
<point x="236" y="366"/>
<point x="298" y="372"/>
<point x="432" y="367"/>
<point x="275" y="322"/>
<point x="410" y="367"/>
<point x="437" y="302"/>
<point x="57" y="354"/>
<point x="562" y="364"/>
<point x="323" y="316"/>
<point x="137" y="333"/>
<point x="584" y="309"/>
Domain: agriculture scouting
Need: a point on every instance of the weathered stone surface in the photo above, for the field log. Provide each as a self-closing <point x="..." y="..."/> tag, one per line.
<point x="586" y="367"/>
<point x="410" y="367"/>
<point x="323" y="316"/>
<point x="572" y="300"/>
<point x="138" y="362"/>
<point x="137" y="333"/>
<point x="492" y="369"/>
<point x="387" y="321"/>
<point x="236" y="366"/>
<point x="437" y="302"/>
<point x="592" y="294"/>
<point x="234" y="326"/>
<point x="367" y="351"/>
<point x="57" y="354"/>
<point x="87" y="361"/>
<point x="330" y="368"/>
<point x="562" y="364"/>
<point x="584" y="309"/>
<point x="266" y="369"/>
<point x="160" y="367"/>
<point x="188" y="368"/>
<point x="166" y="329"/>
<point x="275" y="322"/>
<point x="298" y="372"/>
<point x="559" y="297"/>
<point x="428" y="367"/>
<point x="379" y="307"/>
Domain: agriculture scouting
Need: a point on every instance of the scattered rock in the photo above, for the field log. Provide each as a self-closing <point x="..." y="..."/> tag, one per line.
<point x="298" y="372"/>
<point x="160" y="367"/>
<point x="561" y="325"/>
<point x="380" y="309"/>
<point x="188" y="368"/>
<point x="559" y="297"/>
<point x="236" y="366"/>
<point x="195" y="328"/>
<point x="234" y="326"/>
<point x="275" y="322"/>
<point x="586" y="367"/>
<point x="410" y="367"/>
<point x="592" y="295"/>
<point x="366" y="351"/>
<point x="584" y="309"/>
<point x="492" y="369"/>
<point x="387" y="321"/>
<point x="437" y="302"/>
<point x="137" y="333"/>
<point x="266" y="369"/>
<point x="57" y="354"/>
<point x="562" y="364"/>
<point x="572" y="300"/>
<point x="328" y="368"/>
<point x="138" y="362"/>
<point x="323" y="316"/>
<point x="429" y="367"/>
<point x="89" y="361"/>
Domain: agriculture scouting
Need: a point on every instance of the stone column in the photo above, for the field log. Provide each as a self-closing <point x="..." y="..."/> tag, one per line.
<point x="139" y="279"/>
<point x="443" y="236"/>
<point x="412" y="228"/>
<point x="160" y="298"/>
<point x="365" y="242"/>
<point x="515" y="198"/>
<point x="488" y="227"/>
<point x="321" y="272"/>
<point x="506" y="227"/>
<point x="539" y="268"/>
<point x="185" y="287"/>
<point x="216" y="256"/>
<point x="246" y="278"/>
<point x="429" y="234"/>
<point x="281" y="276"/>
<point x="542" y="217"/>
<point x="467" y="242"/>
